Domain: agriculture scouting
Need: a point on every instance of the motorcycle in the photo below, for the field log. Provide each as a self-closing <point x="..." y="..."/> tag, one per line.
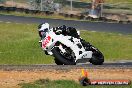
<point x="70" y="50"/>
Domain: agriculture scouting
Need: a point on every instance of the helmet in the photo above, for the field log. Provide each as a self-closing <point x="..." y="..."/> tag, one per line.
<point x="43" y="28"/>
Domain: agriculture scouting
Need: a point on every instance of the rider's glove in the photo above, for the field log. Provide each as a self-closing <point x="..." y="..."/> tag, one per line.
<point x="40" y="41"/>
<point x="57" y="30"/>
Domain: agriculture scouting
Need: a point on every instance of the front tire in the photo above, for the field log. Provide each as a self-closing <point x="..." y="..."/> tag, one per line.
<point x="58" y="62"/>
<point x="61" y="58"/>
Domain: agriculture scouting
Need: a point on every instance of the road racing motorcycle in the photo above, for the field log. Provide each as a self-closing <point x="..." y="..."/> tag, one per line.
<point x="69" y="49"/>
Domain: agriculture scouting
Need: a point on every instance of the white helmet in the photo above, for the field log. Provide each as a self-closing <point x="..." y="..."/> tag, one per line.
<point x="44" y="27"/>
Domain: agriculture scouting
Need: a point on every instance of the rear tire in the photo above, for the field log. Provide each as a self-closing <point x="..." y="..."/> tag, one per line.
<point x="97" y="58"/>
<point x="61" y="58"/>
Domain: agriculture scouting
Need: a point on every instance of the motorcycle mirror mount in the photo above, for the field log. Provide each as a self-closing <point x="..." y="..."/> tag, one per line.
<point x="78" y="32"/>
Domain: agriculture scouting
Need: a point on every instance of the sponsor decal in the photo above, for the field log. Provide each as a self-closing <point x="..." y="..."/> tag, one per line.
<point x="110" y="82"/>
<point x="46" y="41"/>
<point x="84" y="81"/>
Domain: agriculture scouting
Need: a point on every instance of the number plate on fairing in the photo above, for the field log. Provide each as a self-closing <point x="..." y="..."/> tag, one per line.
<point x="46" y="41"/>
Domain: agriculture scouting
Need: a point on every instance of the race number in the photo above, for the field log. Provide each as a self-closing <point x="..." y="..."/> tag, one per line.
<point x="46" y="41"/>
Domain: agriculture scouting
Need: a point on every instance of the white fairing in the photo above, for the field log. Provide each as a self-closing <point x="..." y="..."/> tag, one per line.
<point x="51" y="38"/>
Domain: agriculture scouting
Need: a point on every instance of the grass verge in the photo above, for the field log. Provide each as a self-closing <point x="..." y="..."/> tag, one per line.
<point x="45" y="83"/>
<point x="19" y="45"/>
<point x="113" y="45"/>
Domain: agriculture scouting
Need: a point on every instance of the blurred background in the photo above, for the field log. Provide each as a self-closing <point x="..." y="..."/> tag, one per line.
<point x="115" y="6"/>
<point x="110" y="9"/>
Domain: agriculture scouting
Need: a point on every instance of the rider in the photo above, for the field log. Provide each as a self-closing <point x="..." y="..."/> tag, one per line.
<point x="45" y="27"/>
<point x="71" y="31"/>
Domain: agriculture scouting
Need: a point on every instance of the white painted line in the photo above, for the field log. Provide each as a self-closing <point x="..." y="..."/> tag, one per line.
<point x="93" y="31"/>
<point x="120" y="34"/>
<point x="8" y="22"/>
<point x="17" y="23"/>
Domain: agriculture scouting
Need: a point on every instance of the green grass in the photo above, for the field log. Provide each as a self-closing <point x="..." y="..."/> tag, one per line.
<point x="118" y="1"/>
<point x="20" y="1"/>
<point x="45" y="83"/>
<point x="113" y="45"/>
<point x="19" y="45"/>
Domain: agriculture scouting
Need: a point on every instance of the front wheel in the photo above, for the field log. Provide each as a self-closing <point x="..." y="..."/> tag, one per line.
<point x="97" y="58"/>
<point x="62" y="58"/>
<point x="58" y="62"/>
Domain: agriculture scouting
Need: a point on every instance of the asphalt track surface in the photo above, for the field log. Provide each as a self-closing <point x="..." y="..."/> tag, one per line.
<point x="81" y="25"/>
<point x="125" y="65"/>
<point x="96" y="26"/>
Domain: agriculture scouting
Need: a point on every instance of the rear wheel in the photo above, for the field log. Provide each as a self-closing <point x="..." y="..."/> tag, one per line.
<point x="65" y="59"/>
<point x="97" y="58"/>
